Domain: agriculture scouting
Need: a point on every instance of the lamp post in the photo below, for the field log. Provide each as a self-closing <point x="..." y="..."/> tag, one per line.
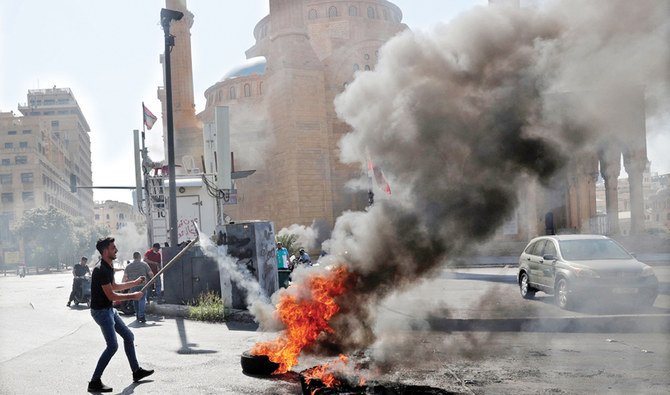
<point x="168" y="16"/>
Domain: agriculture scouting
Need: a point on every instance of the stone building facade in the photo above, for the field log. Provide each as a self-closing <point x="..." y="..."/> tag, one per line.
<point x="283" y="122"/>
<point x="40" y="151"/>
<point x="283" y="125"/>
<point x="117" y="215"/>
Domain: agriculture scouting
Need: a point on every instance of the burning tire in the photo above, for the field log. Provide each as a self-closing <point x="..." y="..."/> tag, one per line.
<point x="257" y="365"/>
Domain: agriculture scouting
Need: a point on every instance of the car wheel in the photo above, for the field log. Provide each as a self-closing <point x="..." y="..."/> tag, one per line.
<point x="562" y="294"/>
<point x="527" y="292"/>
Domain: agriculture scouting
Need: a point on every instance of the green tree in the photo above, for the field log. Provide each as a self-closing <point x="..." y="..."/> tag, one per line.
<point x="48" y="235"/>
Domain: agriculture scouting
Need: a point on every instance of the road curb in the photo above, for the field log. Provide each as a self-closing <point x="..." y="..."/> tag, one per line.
<point x="645" y="323"/>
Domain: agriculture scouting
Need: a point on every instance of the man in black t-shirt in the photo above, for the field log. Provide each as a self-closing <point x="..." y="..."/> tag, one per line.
<point x="78" y="271"/>
<point x="103" y="293"/>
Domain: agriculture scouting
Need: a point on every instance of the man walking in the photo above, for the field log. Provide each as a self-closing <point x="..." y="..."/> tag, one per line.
<point x="103" y="293"/>
<point x="136" y="269"/>
<point x="153" y="258"/>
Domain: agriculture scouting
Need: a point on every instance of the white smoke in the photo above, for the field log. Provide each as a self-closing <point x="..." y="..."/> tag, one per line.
<point x="307" y="236"/>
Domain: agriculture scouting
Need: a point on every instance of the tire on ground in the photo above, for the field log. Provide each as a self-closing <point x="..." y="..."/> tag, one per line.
<point x="258" y="365"/>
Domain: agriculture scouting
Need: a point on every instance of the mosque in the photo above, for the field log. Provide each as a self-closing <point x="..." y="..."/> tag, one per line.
<point x="283" y="124"/>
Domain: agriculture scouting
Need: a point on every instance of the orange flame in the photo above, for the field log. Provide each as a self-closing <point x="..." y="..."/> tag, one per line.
<point x="305" y="317"/>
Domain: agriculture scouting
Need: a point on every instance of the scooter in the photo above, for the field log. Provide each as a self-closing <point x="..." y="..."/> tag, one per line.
<point x="82" y="293"/>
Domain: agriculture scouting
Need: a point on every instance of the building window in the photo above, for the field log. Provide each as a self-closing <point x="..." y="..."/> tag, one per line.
<point x="219" y="95"/>
<point x="27" y="178"/>
<point x="332" y="12"/>
<point x="232" y="94"/>
<point x="260" y="88"/>
<point x="107" y="216"/>
<point x="9" y="145"/>
<point x="97" y="217"/>
<point x="353" y="11"/>
<point x="55" y="125"/>
<point x="385" y="14"/>
<point x="366" y="56"/>
<point x="6" y="179"/>
<point x="21" y="160"/>
<point x="11" y="132"/>
<point x="7" y="197"/>
<point x="27" y="131"/>
<point x="6" y="162"/>
<point x="121" y="216"/>
<point x="28" y="196"/>
<point x="356" y="67"/>
<point x="247" y="90"/>
<point x="23" y="144"/>
<point x="371" y="13"/>
<point x="367" y="67"/>
<point x="313" y="14"/>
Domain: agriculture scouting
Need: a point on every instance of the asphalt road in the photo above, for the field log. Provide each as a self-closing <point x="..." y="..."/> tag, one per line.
<point x="46" y="347"/>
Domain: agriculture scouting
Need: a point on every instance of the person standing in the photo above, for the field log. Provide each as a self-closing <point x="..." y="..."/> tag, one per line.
<point x="103" y="293"/>
<point x="78" y="271"/>
<point x="153" y="258"/>
<point x="135" y="270"/>
<point x="282" y="256"/>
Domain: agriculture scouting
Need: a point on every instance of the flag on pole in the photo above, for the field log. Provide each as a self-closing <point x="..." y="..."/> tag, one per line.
<point x="379" y="176"/>
<point x="149" y="117"/>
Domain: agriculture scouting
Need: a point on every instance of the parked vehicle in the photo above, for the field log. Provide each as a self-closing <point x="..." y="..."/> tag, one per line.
<point x="578" y="268"/>
<point x="82" y="292"/>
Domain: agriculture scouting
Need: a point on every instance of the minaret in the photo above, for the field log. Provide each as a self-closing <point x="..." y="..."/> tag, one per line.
<point x="188" y="139"/>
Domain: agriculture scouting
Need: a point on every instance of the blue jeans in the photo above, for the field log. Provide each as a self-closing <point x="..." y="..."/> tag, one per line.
<point x="139" y="304"/>
<point x="110" y="322"/>
<point x="157" y="284"/>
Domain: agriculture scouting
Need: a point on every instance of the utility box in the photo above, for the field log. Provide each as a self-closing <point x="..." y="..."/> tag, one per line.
<point x="252" y="244"/>
<point x="194" y="274"/>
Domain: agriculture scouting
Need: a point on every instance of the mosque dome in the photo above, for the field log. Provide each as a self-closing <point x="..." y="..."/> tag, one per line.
<point x="255" y="65"/>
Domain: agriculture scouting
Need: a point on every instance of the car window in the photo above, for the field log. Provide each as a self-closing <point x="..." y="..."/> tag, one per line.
<point x="549" y="249"/>
<point x="590" y="249"/>
<point x="529" y="249"/>
<point x="539" y="246"/>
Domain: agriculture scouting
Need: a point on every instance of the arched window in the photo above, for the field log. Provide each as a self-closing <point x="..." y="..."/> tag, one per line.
<point x="232" y="94"/>
<point x="371" y="13"/>
<point x="332" y="12"/>
<point x="386" y="15"/>
<point x="356" y="67"/>
<point x="247" y="90"/>
<point x="219" y="95"/>
<point x="260" y="88"/>
<point x="313" y="14"/>
<point x="353" y="11"/>
<point x="367" y="67"/>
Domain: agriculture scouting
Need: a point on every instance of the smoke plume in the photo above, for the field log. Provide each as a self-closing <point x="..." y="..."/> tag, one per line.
<point x="459" y="117"/>
<point x="306" y="235"/>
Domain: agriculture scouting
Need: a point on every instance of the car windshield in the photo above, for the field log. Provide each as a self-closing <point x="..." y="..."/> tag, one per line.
<point x="592" y="249"/>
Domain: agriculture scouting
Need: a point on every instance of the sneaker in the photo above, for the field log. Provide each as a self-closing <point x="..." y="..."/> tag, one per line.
<point x="98" y="386"/>
<point x="140" y="373"/>
<point x="142" y="320"/>
<point x="68" y="304"/>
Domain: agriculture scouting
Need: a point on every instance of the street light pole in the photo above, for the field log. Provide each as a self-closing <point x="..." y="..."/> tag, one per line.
<point x="168" y="16"/>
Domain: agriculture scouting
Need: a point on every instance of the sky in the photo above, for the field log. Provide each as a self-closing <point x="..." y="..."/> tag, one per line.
<point x="108" y="54"/>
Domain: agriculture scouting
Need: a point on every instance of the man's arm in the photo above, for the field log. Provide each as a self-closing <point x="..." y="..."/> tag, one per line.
<point x="108" y="289"/>
<point x="127" y="284"/>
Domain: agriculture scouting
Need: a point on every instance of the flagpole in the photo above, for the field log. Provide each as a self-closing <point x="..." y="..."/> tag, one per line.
<point x="144" y="155"/>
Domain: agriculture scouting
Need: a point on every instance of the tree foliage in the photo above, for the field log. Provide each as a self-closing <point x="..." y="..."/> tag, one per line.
<point x="289" y="241"/>
<point x="50" y="236"/>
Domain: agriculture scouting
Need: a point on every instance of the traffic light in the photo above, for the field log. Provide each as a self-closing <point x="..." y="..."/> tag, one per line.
<point x="73" y="183"/>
